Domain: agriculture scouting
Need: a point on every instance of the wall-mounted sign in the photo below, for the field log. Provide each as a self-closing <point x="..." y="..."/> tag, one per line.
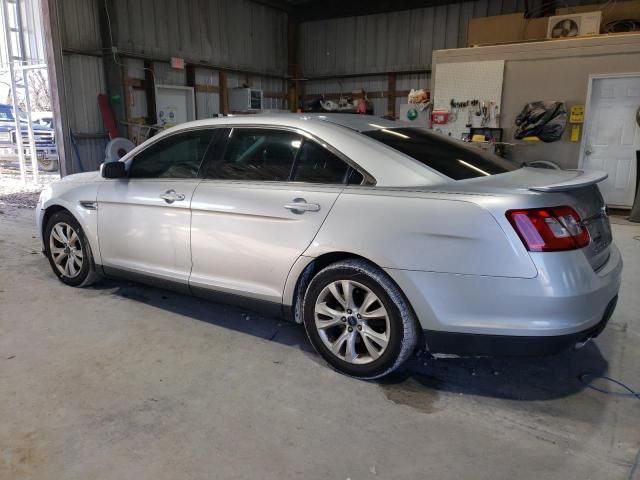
<point x="577" y="114"/>
<point x="177" y="62"/>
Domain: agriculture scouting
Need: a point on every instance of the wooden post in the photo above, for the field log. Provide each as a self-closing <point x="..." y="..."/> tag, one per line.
<point x="150" y="92"/>
<point x="114" y="78"/>
<point x="292" y="62"/>
<point x="391" y="92"/>
<point x="191" y="82"/>
<point x="224" y="97"/>
<point x="127" y="99"/>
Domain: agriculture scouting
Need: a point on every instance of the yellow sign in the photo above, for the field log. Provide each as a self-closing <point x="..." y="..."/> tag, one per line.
<point x="575" y="133"/>
<point x="577" y="114"/>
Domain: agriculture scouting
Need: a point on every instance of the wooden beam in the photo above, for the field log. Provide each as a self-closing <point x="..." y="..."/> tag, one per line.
<point x="191" y="82"/>
<point x="293" y="28"/>
<point x="391" y="99"/>
<point x="333" y="76"/>
<point x="274" y="94"/>
<point x="150" y="92"/>
<point x="224" y="93"/>
<point x="370" y="95"/>
<point x="113" y="73"/>
<point x="127" y="99"/>
<point x="207" y="88"/>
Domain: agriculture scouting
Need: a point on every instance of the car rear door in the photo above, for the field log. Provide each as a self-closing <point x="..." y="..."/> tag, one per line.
<point x="260" y="205"/>
<point x="144" y="220"/>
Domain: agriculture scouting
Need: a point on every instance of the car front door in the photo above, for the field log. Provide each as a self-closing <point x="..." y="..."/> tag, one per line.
<point x="260" y="205"/>
<point x="144" y="219"/>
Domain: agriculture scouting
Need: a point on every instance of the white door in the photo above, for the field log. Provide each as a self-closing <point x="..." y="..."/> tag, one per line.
<point x="144" y="220"/>
<point x="259" y="208"/>
<point x="612" y="136"/>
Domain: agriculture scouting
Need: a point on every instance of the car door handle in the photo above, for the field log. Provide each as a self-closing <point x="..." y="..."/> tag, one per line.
<point x="300" y="205"/>
<point x="171" y="196"/>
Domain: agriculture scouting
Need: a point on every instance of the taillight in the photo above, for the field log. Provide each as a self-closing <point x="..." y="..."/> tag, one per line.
<point x="549" y="229"/>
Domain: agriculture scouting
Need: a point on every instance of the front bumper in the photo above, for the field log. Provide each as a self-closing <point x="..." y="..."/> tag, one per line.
<point x="43" y="153"/>
<point x="566" y="300"/>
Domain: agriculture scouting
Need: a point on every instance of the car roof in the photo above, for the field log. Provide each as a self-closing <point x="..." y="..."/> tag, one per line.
<point x="360" y="123"/>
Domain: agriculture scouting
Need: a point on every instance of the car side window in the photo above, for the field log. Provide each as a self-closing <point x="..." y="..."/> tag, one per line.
<point x="177" y="156"/>
<point x="316" y="164"/>
<point x="256" y="154"/>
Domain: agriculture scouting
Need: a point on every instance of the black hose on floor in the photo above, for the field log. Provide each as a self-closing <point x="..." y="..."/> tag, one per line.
<point x="587" y="378"/>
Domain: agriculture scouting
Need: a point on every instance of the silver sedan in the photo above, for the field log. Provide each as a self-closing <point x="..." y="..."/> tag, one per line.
<point x="377" y="236"/>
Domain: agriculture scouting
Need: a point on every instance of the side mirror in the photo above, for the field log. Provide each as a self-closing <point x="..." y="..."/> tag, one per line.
<point x="113" y="170"/>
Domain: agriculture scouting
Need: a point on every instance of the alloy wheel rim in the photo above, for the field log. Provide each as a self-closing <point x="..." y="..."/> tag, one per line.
<point x="352" y="322"/>
<point x="66" y="250"/>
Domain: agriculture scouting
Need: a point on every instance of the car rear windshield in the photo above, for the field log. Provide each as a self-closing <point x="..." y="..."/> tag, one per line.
<point x="452" y="158"/>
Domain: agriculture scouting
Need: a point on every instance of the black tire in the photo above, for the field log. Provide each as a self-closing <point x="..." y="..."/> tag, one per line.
<point x="48" y="165"/>
<point x="84" y="276"/>
<point x="403" y="333"/>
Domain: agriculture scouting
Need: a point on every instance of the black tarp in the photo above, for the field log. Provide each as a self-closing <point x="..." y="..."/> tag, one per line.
<point x="545" y="120"/>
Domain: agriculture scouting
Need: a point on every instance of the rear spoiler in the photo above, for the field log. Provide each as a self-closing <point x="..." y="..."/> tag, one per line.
<point x="581" y="180"/>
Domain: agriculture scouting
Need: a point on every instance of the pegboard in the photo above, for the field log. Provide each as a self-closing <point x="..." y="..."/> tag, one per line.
<point x="467" y="81"/>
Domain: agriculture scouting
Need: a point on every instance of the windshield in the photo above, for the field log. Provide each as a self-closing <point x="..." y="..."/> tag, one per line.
<point x="450" y="157"/>
<point x="6" y="113"/>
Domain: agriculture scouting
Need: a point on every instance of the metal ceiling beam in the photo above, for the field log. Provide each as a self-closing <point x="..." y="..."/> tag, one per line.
<point x="321" y="10"/>
<point x="310" y="10"/>
<point x="277" y="4"/>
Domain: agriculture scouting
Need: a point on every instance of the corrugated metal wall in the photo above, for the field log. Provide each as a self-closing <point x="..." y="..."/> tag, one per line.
<point x="396" y="41"/>
<point x="235" y="34"/>
<point x="393" y="41"/>
<point x="238" y="34"/>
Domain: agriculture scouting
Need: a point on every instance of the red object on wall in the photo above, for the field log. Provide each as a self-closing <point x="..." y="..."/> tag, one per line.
<point x="107" y="116"/>
<point x="440" y="117"/>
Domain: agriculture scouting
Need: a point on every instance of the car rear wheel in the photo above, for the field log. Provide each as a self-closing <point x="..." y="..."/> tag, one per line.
<point x="358" y="320"/>
<point x="68" y="251"/>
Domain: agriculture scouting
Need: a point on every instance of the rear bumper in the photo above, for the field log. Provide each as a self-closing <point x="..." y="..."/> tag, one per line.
<point x="513" y="346"/>
<point x="484" y="315"/>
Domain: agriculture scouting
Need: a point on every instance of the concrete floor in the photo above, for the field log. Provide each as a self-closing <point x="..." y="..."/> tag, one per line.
<point x="122" y="381"/>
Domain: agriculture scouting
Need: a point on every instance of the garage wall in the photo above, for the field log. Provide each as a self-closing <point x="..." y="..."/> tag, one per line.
<point x="232" y="34"/>
<point x="238" y="34"/>
<point x="395" y="41"/>
<point x="554" y="70"/>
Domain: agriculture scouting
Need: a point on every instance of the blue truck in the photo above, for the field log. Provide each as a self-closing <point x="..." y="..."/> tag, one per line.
<point x="44" y="137"/>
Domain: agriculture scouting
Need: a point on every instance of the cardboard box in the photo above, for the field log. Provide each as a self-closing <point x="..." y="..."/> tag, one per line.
<point x="505" y="29"/>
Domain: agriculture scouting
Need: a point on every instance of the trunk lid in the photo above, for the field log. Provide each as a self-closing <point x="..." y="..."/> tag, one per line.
<point x="575" y="188"/>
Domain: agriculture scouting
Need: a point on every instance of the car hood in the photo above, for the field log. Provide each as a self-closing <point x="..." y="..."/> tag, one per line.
<point x="85" y="177"/>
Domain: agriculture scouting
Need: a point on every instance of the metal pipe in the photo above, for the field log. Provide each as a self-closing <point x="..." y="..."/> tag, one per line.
<point x="27" y="96"/>
<point x="16" y="111"/>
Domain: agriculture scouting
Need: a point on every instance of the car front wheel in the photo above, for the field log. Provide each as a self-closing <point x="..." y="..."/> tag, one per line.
<point x="68" y="251"/>
<point x="358" y="320"/>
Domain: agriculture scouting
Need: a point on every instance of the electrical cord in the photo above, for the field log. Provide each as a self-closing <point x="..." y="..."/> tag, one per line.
<point x="115" y="53"/>
<point x="587" y="378"/>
